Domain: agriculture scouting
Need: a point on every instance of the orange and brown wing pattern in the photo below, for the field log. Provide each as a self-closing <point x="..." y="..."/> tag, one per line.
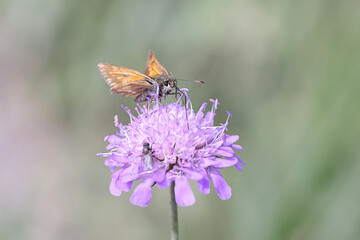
<point x="134" y="90"/>
<point x="154" y="68"/>
<point x="125" y="81"/>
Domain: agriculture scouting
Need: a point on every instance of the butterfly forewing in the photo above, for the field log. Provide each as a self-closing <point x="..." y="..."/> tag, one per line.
<point x="119" y="77"/>
<point x="154" y="68"/>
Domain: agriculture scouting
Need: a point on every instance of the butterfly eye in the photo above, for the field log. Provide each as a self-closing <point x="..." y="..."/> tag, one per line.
<point x="166" y="83"/>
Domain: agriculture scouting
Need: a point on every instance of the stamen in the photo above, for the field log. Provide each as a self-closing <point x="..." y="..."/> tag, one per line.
<point x="116" y="121"/>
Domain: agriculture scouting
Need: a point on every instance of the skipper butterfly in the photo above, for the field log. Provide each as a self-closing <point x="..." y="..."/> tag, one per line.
<point x="141" y="87"/>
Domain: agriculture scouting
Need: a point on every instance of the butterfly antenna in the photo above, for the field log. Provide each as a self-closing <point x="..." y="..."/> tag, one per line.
<point x="195" y="81"/>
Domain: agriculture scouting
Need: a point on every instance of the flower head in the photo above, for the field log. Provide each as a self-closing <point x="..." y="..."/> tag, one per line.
<point x="167" y="143"/>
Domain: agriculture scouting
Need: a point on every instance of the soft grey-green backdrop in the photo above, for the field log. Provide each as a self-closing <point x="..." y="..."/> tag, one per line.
<point x="288" y="71"/>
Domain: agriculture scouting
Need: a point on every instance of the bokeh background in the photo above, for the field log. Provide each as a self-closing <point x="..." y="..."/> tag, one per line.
<point x="288" y="71"/>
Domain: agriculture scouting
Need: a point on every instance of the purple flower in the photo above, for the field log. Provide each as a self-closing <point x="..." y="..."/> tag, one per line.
<point x="168" y="143"/>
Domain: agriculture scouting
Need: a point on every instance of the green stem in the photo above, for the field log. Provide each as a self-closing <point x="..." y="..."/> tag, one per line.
<point x="174" y="214"/>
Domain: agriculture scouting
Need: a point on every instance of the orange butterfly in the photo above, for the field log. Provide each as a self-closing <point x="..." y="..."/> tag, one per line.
<point x="142" y="87"/>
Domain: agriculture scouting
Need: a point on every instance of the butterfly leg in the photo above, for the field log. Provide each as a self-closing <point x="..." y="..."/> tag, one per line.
<point x="165" y="102"/>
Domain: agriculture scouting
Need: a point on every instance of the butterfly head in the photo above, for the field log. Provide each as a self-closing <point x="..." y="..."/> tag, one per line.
<point x="167" y="84"/>
<point x="170" y="83"/>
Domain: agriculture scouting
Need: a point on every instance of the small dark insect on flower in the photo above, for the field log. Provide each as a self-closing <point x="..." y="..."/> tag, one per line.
<point x="147" y="157"/>
<point x="155" y="82"/>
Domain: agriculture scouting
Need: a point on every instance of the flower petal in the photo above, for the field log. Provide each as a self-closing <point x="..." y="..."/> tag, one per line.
<point x="113" y="189"/>
<point x="239" y="167"/>
<point x="183" y="194"/>
<point x="223" y="153"/>
<point x="159" y="175"/>
<point x="113" y="141"/>
<point x="142" y="193"/>
<point x="192" y="174"/>
<point x="225" y="162"/>
<point x="167" y="181"/>
<point x="123" y="186"/>
<point x="237" y="147"/>
<point x="204" y="185"/>
<point x="129" y="173"/>
<point x="227" y="149"/>
<point x="240" y="160"/>
<point x="231" y="139"/>
<point x="222" y="188"/>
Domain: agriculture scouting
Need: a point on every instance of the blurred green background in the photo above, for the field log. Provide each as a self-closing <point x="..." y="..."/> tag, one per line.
<point x="288" y="71"/>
